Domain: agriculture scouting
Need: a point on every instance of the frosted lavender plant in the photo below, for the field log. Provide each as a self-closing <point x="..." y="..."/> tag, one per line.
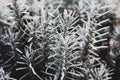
<point x="52" y="40"/>
<point x="67" y="48"/>
<point x="96" y="33"/>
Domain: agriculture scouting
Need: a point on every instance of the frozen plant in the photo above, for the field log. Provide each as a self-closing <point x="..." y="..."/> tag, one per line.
<point x="55" y="39"/>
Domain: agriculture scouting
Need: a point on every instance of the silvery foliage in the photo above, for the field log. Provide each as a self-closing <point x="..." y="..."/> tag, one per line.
<point x="33" y="28"/>
<point x="66" y="45"/>
<point x="4" y="75"/>
<point x="94" y="9"/>
<point x="52" y="39"/>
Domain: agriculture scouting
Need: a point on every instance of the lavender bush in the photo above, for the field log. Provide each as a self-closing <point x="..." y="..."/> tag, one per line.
<point x="58" y="40"/>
